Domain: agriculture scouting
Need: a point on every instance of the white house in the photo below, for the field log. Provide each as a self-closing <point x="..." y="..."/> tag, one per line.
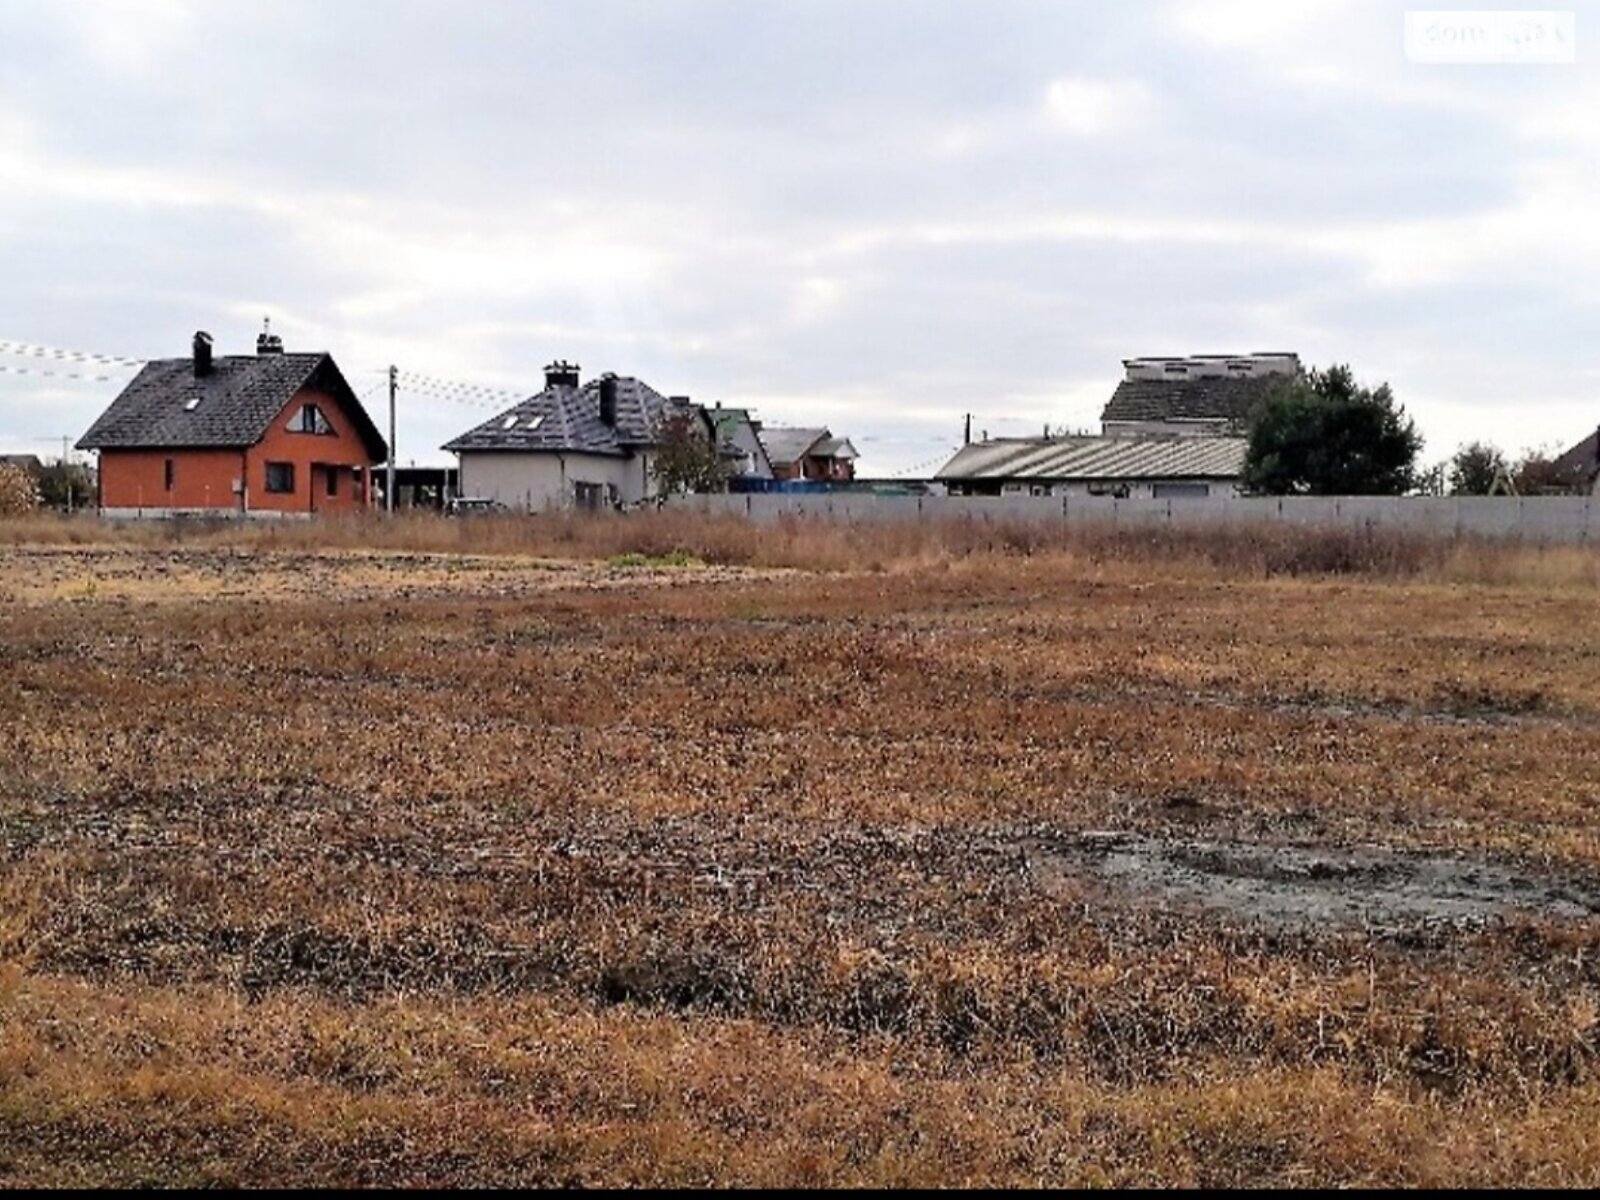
<point x="572" y="445"/>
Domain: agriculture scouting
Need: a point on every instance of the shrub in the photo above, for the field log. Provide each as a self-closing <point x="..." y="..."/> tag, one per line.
<point x="19" y="495"/>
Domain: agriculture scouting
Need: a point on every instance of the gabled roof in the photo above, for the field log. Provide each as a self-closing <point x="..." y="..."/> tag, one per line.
<point x="832" y="447"/>
<point x="726" y="422"/>
<point x="567" y="420"/>
<point x="30" y="463"/>
<point x="785" y="445"/>
<point x="237" y="402"/>
<point x="1581" y="464"/>
<point x="726" y="419"/>
<point x="1217" y="398"/>
<point x="1100" y="458"/>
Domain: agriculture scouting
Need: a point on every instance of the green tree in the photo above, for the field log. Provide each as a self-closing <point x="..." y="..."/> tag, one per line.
<point x="1321" y="434"/>
<point x="1474" y="469"/>
<point x="686" y="459"/>
<point x="58" y="479"/>
<point x="1539" y="473"/>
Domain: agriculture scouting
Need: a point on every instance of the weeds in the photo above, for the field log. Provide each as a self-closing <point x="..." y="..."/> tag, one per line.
<point x="402" y="866"/>
<point x="688" y="539"/>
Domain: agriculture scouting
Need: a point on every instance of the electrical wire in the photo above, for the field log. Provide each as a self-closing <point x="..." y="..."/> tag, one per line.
<point x="40" y="371"/>
<point x="911" y="472"/>
<point x="30" y="350"/>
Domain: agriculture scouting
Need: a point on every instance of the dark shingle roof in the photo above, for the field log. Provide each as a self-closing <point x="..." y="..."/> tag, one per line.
<point x="1581" y="464"/>
<point x="1207" y="398"/>
<point x="568" y="420"/>
<point x="238" y="400"/>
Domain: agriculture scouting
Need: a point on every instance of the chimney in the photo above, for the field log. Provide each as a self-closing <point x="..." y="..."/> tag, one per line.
<point x="561" y="374"/>
<point x="608" y="399"/>
<point x="202" y="354"/>
<point x="268" y="342"/>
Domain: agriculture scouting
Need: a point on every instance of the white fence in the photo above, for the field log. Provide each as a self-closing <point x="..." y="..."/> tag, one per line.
<point x="1551" y="520"/>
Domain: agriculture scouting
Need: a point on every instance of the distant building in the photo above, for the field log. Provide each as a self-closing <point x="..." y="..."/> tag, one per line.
<point x="1150" y="466"/>
<point x="265" y="434"/>
<point x="739" y="437"/>
<point x="1205" y="395"/>
<point x="30" y="463"/>
<point x="571" y="445"/>
<point x="1578" y="470"/>
<point x="809" y="454"/>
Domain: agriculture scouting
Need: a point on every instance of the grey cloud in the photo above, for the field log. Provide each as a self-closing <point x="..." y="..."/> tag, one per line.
<point x="839" y="211"/>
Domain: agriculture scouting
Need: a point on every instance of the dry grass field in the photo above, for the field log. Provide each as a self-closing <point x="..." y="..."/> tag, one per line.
<point x="441" y="853"/>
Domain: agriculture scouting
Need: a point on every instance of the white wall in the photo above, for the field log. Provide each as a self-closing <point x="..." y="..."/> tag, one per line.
<point x="542" y="481"/>
<point x="1550" y="520"/>
<point x="743" y="437"/>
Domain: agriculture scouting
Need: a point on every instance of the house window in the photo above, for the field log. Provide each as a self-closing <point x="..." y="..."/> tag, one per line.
<point x="589" y="495"/>
<point x="333" y="481"/>
<point x="280" y="477"/>
<point x="358" y="481"/>
<point x="310" y="420"/>
<point x="169" y="474"/>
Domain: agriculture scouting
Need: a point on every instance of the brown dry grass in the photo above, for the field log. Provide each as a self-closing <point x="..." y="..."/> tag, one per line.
<point x="823" y="545"/>
<point x="404" y="867"/>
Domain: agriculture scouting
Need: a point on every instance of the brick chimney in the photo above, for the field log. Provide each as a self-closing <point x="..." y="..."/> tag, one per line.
<point x="202" y="354"/>
<point x="561" y="374"/>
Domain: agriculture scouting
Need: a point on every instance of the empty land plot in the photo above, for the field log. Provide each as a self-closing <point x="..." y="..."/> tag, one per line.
<point x="353" y="867"/>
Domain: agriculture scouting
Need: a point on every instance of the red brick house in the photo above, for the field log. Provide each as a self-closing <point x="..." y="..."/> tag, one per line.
<point x="269" y="434"/>
<point x="813" y="454"/>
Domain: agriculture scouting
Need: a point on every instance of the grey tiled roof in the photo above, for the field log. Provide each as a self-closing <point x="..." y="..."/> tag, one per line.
<point x="568" y="419"/>
<point x="1214" y="398"/>
<point x="1100" y="458"/>
<point x="1581" y="464"/>
<point x="238" y="400"/>
<point x="786" y="445"/>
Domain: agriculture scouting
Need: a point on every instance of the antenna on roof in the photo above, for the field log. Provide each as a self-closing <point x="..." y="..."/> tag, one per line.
<point x="268" y="342"/>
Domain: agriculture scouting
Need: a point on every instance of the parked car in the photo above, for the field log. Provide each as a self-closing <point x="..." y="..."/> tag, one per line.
<point x="467" y="506"/>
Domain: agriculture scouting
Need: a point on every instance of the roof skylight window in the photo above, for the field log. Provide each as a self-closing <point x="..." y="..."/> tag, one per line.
<point x="192" y="404"/>
<point x="509" y="423"/>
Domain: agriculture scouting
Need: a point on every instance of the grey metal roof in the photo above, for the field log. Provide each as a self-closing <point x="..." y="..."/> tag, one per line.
<point x="237" y="402"/>
<point x="835" y="448"/>
<point x="1212" y="397"/>
<point x="566" y="419"/>
<point x="1099" y="458"/>
<point x="785" y="445"/>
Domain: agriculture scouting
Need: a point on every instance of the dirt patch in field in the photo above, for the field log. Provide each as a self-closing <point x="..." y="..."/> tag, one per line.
<point x="1298" y="886"/>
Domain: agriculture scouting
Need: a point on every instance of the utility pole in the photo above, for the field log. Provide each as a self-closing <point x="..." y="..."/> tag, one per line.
<point x="388" y="486"/>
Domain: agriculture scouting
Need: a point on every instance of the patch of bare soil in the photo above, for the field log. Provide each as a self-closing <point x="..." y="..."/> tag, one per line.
<point x="1289" y="886"/>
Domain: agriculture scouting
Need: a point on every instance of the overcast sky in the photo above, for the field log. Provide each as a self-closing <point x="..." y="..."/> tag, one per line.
<point x="875" y="216"/>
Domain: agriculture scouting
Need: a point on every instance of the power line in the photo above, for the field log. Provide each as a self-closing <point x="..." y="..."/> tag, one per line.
<point x="920" y="467"/>
<point x="30" y="350"/>
<point x="458" y="387"/>
<point x="38" y="371"/>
